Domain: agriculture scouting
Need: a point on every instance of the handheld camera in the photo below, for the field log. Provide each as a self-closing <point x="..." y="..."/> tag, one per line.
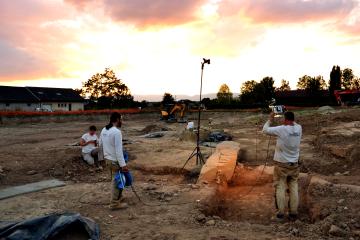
<point x="279" y="110"/>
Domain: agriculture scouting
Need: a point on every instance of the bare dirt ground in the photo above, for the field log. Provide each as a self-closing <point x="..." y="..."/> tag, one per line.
<point x="176" y="207"/>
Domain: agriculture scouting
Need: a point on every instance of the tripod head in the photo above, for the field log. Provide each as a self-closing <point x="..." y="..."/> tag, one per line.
<point x="205" y="61"/>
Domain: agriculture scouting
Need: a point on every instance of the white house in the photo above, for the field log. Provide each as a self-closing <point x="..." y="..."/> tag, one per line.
<point x="39" y="98"/>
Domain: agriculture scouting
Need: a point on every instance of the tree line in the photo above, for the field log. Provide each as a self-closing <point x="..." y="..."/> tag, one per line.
<point x="106" y="91"/>
<point x="259" y="93"/>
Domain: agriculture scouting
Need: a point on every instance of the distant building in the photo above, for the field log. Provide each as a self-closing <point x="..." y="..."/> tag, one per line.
<point x="39" y="99"/>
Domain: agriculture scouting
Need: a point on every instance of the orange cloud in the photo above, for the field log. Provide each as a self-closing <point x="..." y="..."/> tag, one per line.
<point x="288" y="11"/>
<point x="16" y="62"/>
<point x="29" y="50"/>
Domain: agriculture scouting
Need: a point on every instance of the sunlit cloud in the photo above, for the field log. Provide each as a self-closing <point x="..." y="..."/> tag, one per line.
<point x="156" y="46"/>
<point x="288" y="11"/>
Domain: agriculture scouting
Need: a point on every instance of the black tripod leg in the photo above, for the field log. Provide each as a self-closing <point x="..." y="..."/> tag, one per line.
<point x="190" y="157"/>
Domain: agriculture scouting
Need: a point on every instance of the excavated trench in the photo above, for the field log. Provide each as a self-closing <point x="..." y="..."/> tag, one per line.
<point x="250" y="197"/>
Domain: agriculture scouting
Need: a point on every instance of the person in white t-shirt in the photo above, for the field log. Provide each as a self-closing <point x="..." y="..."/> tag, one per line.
<point x="89" y="142"/>
<point x="286" y="161"/>
<point x="111" y="144"/>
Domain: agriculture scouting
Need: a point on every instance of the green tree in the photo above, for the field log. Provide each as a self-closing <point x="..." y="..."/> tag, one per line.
<point x="285" y="86"/>
<point x="355" y="83"/>
<point x="224" y="94"/>
<point x="312" y="84"/>
<point x="248" y="87"/>
<point x="257" y="92"/>
<point x="347" y="78"/>
<point x="107" y="90"/>
<point x="268" y="88"/>
<point x="168" y="99"/>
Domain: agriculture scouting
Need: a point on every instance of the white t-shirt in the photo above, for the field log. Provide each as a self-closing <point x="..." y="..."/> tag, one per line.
<point x="111" y="143"/>
<point x="87" y="137"/>
<point x="287" y="142"/>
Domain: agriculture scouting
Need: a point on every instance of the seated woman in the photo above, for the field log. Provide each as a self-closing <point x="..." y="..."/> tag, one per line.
<point x="89" y="144"/>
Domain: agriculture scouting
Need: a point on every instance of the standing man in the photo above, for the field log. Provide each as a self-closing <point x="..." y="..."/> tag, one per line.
<point x="286" y="171"/>
<point x="88" y="143"/>
<point x="111" y="143"/>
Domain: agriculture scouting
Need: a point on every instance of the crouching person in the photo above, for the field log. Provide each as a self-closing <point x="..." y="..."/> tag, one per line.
<point x="286" y="170"/>
<point x="89" y="143"/>
<point x="111" y="144"/>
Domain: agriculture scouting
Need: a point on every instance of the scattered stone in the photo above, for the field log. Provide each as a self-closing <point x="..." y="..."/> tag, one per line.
<point x="154" y="135"/>
<point x="341" y="201"/>
<point x="336" y="231"/>
<point x="337" y="174"/>
<point x="326" y="109"/>
<point x="31" y="172"/>
<point x="295" y="232"/>
<point x="195" y="186"/>
<point x="211" y="222"/>
<point x="132" y="216"/>
<point x="347" y="173"/>
<point x="167" y="199"/>
<point x="200" y="218"/>
<point x="102" y="179"/>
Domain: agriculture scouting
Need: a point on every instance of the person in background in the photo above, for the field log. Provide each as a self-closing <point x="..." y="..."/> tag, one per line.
<point x="286" y="161"/>
<point x="112" y="147"/>
<point x="89" y="143"/>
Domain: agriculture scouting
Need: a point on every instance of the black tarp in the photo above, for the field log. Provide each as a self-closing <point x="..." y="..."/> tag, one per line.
<point x="218" y="137"/>
<point x="54" y="226"/>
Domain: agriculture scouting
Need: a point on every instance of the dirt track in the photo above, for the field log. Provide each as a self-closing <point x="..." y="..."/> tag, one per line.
<point x="330" y="149"/>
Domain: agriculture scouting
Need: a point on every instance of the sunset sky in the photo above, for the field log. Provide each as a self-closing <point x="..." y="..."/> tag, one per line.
<point x="157" y="45"/>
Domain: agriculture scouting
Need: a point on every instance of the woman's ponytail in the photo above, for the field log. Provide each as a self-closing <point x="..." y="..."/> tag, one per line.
<point x="113" y="118"/>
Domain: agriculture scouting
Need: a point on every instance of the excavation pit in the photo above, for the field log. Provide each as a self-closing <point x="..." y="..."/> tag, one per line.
<point x="249" y="197"/>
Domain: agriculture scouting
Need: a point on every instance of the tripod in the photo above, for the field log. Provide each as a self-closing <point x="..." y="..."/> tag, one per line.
<point x="197" y="152"/>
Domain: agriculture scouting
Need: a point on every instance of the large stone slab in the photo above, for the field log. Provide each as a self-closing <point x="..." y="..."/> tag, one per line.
<point x="221" y="163"/>
<point x="31" y="187"/>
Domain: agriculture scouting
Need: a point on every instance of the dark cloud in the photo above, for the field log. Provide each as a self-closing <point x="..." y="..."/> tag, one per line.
<point x="288" y="11"/>
<point x="145" y="12"/>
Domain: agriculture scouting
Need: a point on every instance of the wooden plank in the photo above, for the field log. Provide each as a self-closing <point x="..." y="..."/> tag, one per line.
<point x="31" y="187"/>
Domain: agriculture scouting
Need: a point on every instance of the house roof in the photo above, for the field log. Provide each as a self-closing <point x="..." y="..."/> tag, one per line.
<point x="38" y="94"/>
<point x="56" y="94"/>
<point x="16" y="94"/>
